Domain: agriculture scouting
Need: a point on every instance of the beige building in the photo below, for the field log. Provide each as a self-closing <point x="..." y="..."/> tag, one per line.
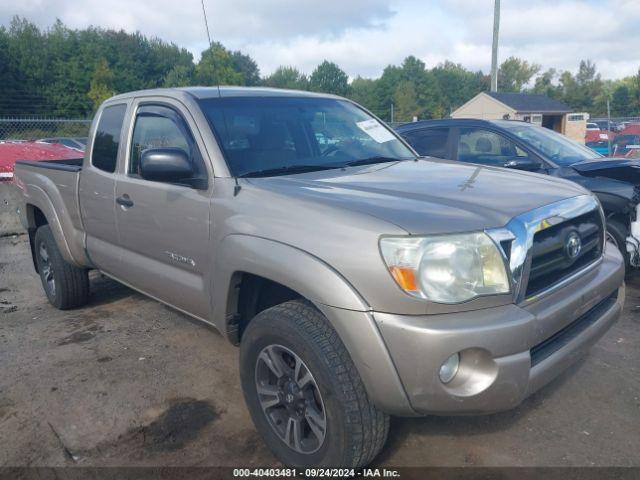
<point x="537" y="109"/>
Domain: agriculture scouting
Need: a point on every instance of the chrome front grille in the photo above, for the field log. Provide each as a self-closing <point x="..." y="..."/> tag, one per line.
<point x="563" y="249"/>
<point x="535" y="245"/>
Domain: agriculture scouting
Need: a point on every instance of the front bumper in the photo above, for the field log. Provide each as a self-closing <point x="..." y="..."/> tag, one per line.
<point x="507" y="352"/>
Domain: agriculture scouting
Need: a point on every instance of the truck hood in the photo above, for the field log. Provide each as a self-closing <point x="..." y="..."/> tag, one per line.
<point x="622" y="169"/>
<point x="427" y="196"/>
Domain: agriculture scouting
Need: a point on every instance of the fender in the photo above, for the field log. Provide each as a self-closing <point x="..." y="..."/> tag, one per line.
<point x="294" y="268"/>
<point x="70" y="240"/>
<point x="330" y="292"/>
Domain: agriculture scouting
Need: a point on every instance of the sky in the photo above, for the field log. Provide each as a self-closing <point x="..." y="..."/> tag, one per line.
<point x="363" y="36"/>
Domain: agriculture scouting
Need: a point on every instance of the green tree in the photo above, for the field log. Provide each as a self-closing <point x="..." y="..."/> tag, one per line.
<point x="621" y="101"/>
<point x="287" y="77"/>
<point x="363" y="91"/>
<point x="179" y="76"/>
<point x="216" y="67"/>
<point x="329" y="78"/>
<point x="515" y="73"/>
<point x="101" y="84"/>
<point x="405" y="100"/>
<point x="247" y="67"/>
<point x="457" y="85"/>
<point x="544" y="84"/>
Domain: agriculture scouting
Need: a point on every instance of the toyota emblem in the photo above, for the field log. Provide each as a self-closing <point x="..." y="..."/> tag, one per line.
<point x="572" y="245"/>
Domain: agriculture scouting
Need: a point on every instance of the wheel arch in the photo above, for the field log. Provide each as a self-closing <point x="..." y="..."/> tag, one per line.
<point x="254" y="272"/>
<point x="298" y="273"/>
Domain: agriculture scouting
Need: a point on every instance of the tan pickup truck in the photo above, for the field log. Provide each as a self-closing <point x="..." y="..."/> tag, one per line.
<point x="359" y="280"/>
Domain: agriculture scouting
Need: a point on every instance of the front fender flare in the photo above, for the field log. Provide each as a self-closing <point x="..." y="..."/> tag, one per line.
<point x="331" y="293"/>
<point x="294" y="268"/>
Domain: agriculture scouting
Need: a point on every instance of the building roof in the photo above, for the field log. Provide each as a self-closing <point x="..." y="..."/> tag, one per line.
<point x="530" y="103"/>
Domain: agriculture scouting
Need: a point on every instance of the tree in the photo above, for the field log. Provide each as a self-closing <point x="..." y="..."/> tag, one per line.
<point x="179" y="76"/>
<point x="216" y="67"/>
<point x="544" y="84"/>
<point x="101" y="84"/>
<point x="247" y="67"/>
<point x="287" y="77"/>
<point x="329" y="78"/>
<point x="515" y="73"/>
<point x="457" y="85"/>
<point x="363" y="91"/>
<point x="405" y="100"/>
<point x="621" y="101"/>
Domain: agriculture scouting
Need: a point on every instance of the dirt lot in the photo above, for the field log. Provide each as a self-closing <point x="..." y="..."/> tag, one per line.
<point x="127" y="381"/>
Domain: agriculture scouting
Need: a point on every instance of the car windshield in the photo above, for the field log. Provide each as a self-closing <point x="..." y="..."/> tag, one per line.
<point x="558" y="148"/>
<point x="264" y="136"/>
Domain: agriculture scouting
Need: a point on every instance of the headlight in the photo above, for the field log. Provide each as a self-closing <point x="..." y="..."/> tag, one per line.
<point x="446" y="268"/>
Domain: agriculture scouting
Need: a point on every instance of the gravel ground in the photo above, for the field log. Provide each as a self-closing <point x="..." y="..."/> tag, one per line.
<point x="128" y="381"/>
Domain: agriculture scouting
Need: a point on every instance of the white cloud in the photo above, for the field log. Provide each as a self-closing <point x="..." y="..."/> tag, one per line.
<point x="363" y="36"/>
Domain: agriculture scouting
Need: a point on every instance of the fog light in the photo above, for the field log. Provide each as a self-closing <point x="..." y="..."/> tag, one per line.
<point x="449" y="368"/>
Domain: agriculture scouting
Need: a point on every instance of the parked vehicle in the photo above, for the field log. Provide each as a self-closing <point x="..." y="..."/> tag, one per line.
<point x="608" y="126"/>
<point x="359" y="280"/>
<point x="601" y="147"/>
<point x="524" y="146"/>
<point x="79" y="143"/>
<point x="627" y="145"/>
<point x="597" y="135"/>
<point x="11" y="151"/>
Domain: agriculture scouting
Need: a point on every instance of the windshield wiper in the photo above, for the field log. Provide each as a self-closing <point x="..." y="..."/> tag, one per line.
<point x="372" y="160"/>
<point x="286" y="170"/>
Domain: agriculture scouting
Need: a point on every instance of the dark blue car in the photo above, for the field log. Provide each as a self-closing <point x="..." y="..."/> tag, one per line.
<point x="523" y="146"/>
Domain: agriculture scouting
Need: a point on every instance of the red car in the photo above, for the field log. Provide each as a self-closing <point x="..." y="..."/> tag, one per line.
<point x="10" y="151"/>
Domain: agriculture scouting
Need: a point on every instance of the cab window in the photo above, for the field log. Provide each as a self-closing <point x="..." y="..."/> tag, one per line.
<point x="107" y="138"/>
<point x="476" y="145"/>
<point x="158" y="126"/>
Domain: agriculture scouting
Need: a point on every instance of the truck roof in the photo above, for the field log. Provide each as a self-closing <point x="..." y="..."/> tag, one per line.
<point x="223" y="91"/>
<point x="452" y="122"/>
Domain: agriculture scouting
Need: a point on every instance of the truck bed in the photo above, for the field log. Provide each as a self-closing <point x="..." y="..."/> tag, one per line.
<point x="51" y="186"/>
<point x="64" y="164"/>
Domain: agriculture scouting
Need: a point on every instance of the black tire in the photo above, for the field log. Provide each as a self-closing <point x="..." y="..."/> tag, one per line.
<point x="355" y="429"/>
<point x="66" y="286"/>
<point x="617" y="232"/>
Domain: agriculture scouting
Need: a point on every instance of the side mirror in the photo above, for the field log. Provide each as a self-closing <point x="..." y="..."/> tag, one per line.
<point x="523" y="163"/>
<point x="168" y="165"/>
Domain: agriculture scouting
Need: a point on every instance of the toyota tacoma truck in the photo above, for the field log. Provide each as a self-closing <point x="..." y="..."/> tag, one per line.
<point x="359" y="280"/>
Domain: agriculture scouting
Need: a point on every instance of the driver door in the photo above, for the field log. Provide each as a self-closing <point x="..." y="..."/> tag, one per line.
<point x="163" y="226"/>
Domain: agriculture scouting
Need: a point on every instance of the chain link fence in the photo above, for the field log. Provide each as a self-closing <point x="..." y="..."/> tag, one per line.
<point x="21" y="128"/>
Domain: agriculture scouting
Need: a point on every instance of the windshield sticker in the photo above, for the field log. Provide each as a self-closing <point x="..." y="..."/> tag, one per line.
<point x="375" y="130"/>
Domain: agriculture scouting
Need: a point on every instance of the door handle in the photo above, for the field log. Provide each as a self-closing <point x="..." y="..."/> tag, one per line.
<point x="125" y="201"/>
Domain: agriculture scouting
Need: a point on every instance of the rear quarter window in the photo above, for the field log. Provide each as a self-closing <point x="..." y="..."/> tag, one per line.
<point x="107" y="139"/>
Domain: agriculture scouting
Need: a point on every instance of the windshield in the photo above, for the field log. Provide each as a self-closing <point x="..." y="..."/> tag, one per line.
<point x="280" y="135"/>
<point x="558" y="148"/>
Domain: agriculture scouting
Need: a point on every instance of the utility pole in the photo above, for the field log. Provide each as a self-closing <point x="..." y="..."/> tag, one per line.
<point x="494" y="49"/>
<point x="608" y="127"/>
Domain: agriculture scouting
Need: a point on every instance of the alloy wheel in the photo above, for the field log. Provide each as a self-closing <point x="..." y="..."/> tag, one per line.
<point x="290" y="399"/>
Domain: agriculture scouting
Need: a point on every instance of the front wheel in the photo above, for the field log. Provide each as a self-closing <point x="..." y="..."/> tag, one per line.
<point x="304" y="393"/>
<point x="66" y="286"/>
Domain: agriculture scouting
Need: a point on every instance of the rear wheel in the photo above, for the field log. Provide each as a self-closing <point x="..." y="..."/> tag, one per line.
<point x="66" y="286"/>
<point x="304" y="393"/>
